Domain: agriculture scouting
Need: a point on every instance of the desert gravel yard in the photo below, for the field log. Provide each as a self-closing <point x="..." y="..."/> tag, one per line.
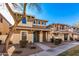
<point x="26" y="51"/>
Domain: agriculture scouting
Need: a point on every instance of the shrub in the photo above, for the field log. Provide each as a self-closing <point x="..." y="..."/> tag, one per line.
<point x="23" y="43"/>
<point x="77" y="39"/>
<point x="0" y="42"/>
<point x="57" y="41"/>
<point x="71" y="38"/>
<point x="52" y="39"/>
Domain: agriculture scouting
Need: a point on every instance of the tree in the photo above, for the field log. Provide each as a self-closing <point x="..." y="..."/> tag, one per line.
<point x="17" y="20"/>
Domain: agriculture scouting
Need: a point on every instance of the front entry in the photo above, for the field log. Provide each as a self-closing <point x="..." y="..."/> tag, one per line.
<point x="36" y="36"/>
<point x="24" y="36"/>
<point x="44" y="37"/>
<point x="65" y="37"/>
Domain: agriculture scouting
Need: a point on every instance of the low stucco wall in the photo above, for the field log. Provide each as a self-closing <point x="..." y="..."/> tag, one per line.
<point x="3" y="38"/>
<point x="15" y="38"/>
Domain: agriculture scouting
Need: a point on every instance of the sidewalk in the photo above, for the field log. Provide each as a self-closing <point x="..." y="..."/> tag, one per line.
<point x="42" y="46"/>
<point x="54" y="51"/>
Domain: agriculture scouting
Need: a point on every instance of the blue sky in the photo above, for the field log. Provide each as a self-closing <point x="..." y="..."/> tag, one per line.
<point x="65" y="13"/>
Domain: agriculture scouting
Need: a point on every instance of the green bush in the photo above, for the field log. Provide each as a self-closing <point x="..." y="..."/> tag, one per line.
<point x="23" y="43"/>
<point x="0" y="42"/>
<point x="57" y="41"/>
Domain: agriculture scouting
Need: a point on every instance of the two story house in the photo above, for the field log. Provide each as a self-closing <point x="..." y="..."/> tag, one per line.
<point x="63" y="31"/>
<point x="4" y="27"/>
<point x="31" y="29"/>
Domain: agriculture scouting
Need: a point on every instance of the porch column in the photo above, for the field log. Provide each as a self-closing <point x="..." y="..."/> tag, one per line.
<point x="49" y="36"/>
<point x="69" y="35"/>
<point x="30" y="36"/>
<point x="46" y="36"/>
<point x="41" y="36"/>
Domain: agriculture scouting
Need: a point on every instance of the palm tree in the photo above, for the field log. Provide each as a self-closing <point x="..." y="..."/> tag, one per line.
<point x="17" y="20"/>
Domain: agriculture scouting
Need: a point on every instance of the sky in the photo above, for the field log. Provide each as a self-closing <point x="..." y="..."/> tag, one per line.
<point x="63" y="13"/>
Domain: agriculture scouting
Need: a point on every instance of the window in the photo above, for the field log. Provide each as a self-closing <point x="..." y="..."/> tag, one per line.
<point x="62" y="27"/>
<point x="38" y="22"/>
<point x="43" y="23"/>
<point x="34" y="21"/>
<point x="24" y="20"/>
<point x="24" y="36"/>
<point x="1" y="20"/>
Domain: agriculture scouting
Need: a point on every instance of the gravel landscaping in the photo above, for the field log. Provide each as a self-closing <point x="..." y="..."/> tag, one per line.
<point x="26" y="51"/>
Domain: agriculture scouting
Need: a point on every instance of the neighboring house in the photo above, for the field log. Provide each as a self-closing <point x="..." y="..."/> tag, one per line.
<point x="4" y="27"/>
<point x="63" y="31"/>
<point x="31" y="29"/>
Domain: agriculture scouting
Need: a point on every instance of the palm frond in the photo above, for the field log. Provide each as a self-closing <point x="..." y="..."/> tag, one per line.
<point x="35" y="6"/>
<point x="17" y="6"/>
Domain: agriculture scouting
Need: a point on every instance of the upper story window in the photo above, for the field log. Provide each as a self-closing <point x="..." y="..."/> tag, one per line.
<point x="43" y="23"/>
<point x="1" y="20"/>
<point x="38" y="22"/>
<point x="62" y="27"/>
<point x="24" y="20"/>
<point x="34" y="22"/>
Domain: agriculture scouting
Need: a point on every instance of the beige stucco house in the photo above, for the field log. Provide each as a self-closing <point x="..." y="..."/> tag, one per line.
<point x="4" y="25"/>
<point x="4" y="28"/>
<point x="31" y="29"/>
<point x="64" y="32"/>
<point x="35" y="30"/>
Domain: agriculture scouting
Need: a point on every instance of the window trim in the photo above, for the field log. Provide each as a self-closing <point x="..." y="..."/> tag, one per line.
<point x="21" y="35"/>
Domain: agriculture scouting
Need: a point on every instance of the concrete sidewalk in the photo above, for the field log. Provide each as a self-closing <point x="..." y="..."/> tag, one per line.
<point x="42" y="46"/>
<point x="54" y="51"/>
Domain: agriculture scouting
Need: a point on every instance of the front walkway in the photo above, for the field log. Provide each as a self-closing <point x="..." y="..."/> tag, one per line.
<point x="54" y="51"/>
<point x="42" y="46"/>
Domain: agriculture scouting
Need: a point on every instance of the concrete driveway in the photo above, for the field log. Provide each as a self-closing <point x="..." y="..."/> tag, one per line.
<point x="54" y="51"/>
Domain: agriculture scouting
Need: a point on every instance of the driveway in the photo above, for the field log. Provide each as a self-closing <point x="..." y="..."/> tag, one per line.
<point x="54" y="51"/>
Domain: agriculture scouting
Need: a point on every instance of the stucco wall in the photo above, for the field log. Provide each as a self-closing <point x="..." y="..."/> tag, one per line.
<point x="4" y="27"/>
<point x="30" y="36"/>
<point x="15" y="38"/>
<point x="3" y="37"/>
